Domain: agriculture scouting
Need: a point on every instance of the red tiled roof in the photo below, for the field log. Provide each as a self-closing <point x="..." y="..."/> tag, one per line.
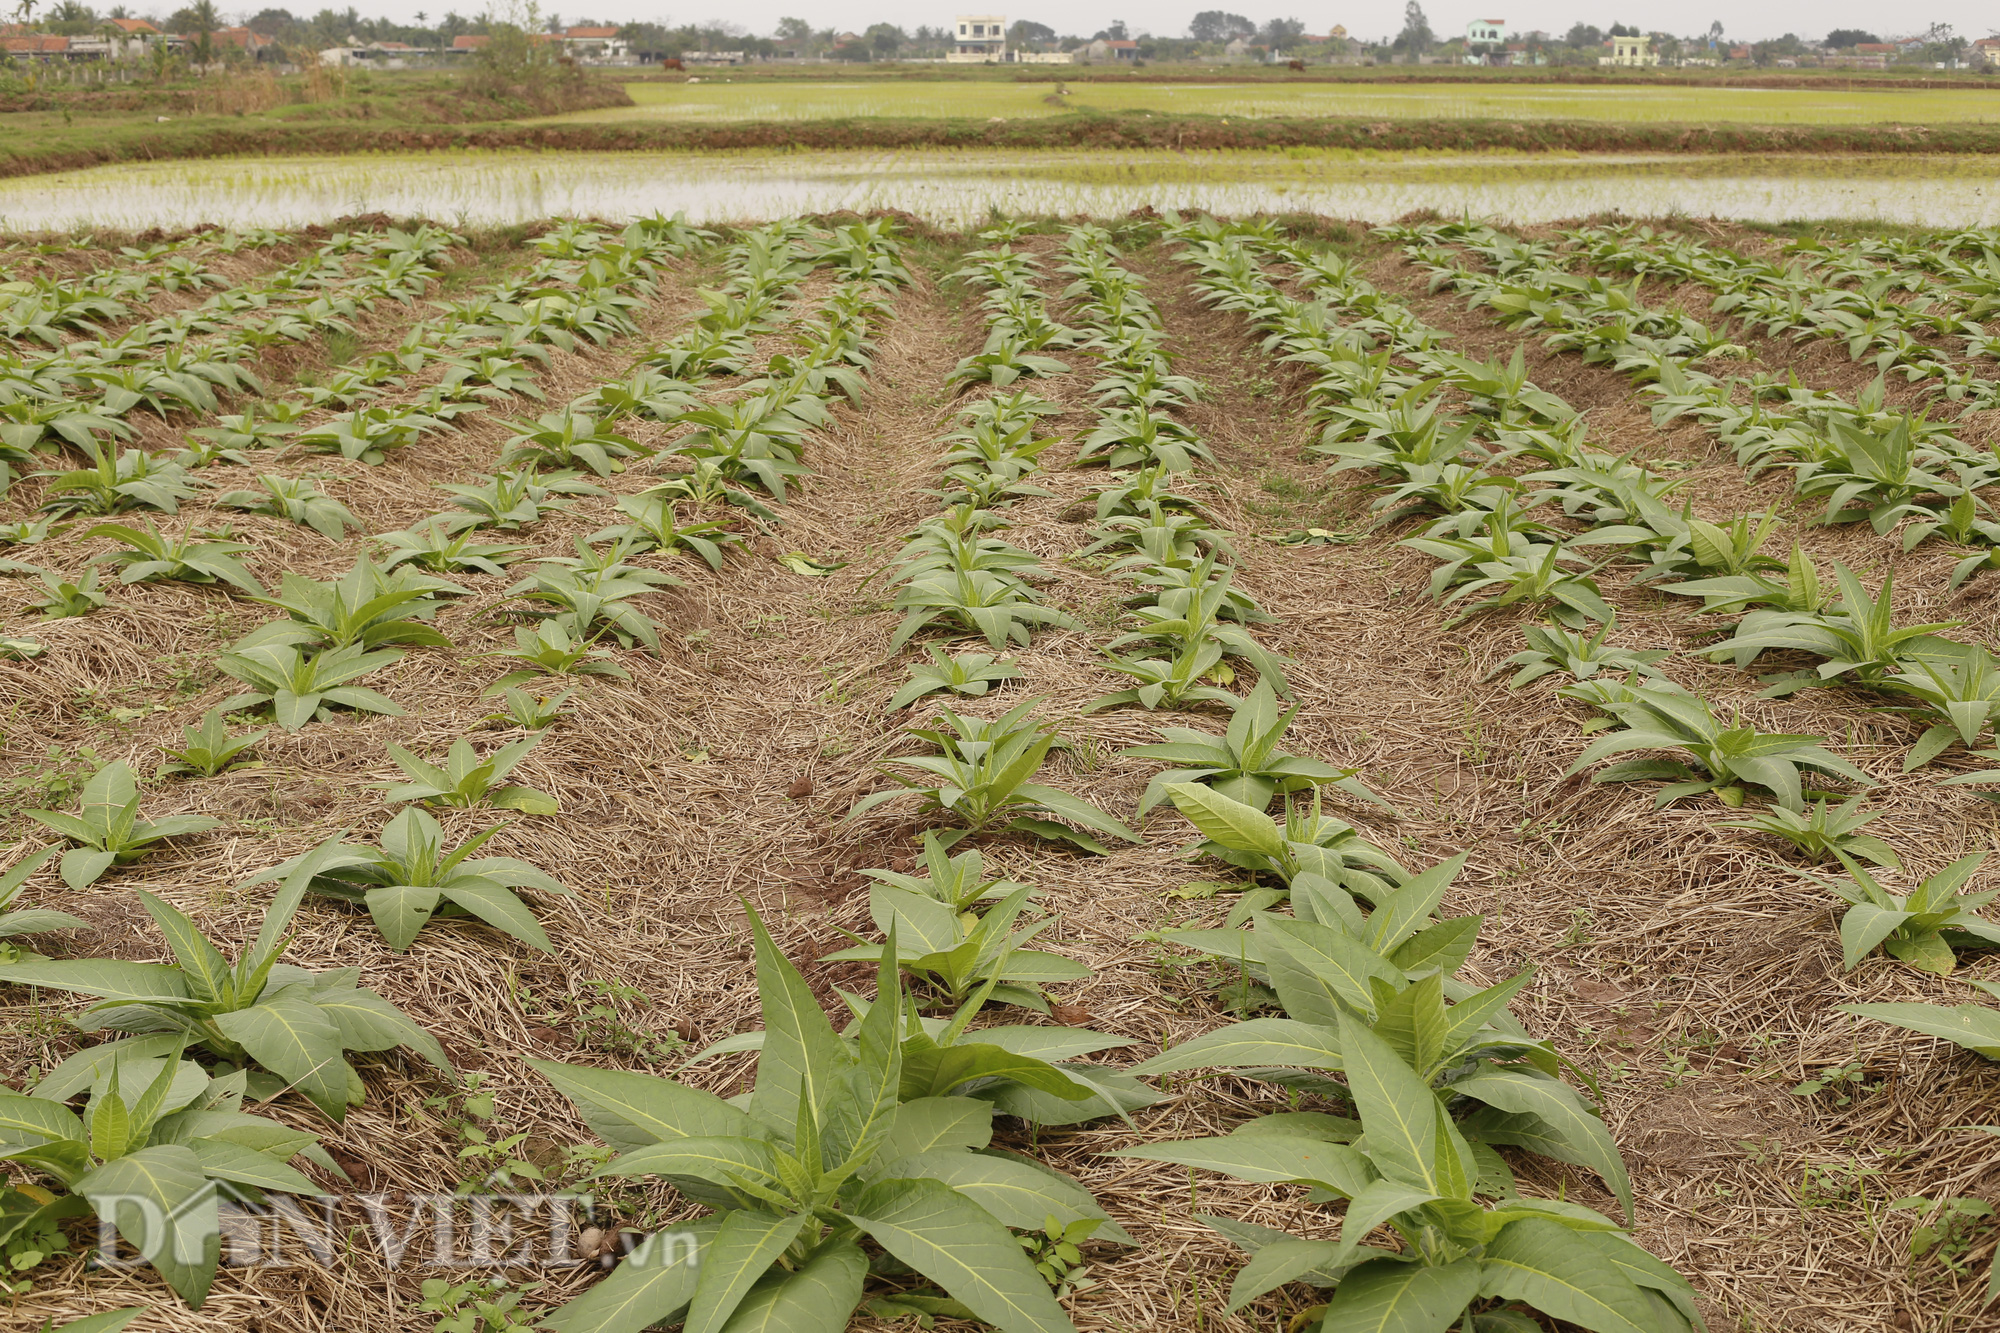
<point x="132" y="25"/>
<point x="39" y="43"/>
<point x="591" y="33"/>
<point x="470" y="41"/>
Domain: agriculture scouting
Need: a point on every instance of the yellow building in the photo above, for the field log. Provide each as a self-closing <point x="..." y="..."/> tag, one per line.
<point x="1634" y="51"/>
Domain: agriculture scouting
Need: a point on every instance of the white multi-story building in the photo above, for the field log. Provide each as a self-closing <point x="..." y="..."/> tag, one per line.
<point x="977" y="38"/>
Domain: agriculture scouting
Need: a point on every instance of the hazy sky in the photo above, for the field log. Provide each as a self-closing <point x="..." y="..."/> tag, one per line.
<point x="1364" y="18"/>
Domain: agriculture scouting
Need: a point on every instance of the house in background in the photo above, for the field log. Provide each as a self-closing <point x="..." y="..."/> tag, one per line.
<point x="1115" y="52"/>
<point x="977" y="38"/>
<point x="1986" y="51"/>
<point x="1486" y="42"/>
<point x="597" y="46"/>
<point x="1632" y="52"/>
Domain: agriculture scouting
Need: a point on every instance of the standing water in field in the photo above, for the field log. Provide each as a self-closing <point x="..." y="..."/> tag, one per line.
<point x="952" y="188"/>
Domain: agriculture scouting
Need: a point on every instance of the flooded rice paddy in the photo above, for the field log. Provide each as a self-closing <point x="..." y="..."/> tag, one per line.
<point x="955" y="187"/>
<point x="717" y="98"/>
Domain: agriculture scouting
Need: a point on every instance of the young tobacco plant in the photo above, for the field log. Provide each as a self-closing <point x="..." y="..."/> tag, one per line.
<point x="1302" y="846"/>
<point x="841" y="1144"/>
<point x="369" y="607"/>
<point x="210" y="748"/>
<point x="154" y="1147"/>
<point x="1472" y="1248"/>
<point x="296" y="500"/>
<point x="969" y="674"/>
<point x="291" y="1028"/>
<point x="298" y="688"/>
<point x="1921" y="928"/>
<point x="107" y="827"/>
<point x="956" y="953"/>
<point x="550" y="649"/>
<point x="1726" y="760"/>
<point x="192" y="557"/>
<point x="411" y="876"/>
<point x="1822" y="830"/>
<point x="979" y="777"/>
<point x="466" y="780"/>
<point x="1244" y="763"/>
<point x="17" y="921"/>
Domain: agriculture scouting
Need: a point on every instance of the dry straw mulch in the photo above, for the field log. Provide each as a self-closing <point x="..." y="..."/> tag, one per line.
<point x="1693" y="971"/>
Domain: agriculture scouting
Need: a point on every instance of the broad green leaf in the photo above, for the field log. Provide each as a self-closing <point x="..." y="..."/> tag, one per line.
<point x="289" y="1036"/>
<point x="165" y="1207"/>
<point x="400" y="911"/>
<point x="802" y="1054"/>
<point x="1017" y="1194"/>
<point x="1262" y="1158"/>
<point x="1280" y="1262"/>
<point x="367" y="1022"/>
<point x="1317" y="970"/>
<point x="1256" y="1041"/>
<point x="1233" y="824"/>
<point x="629" y="1110"/>
<point x="722" y="1161"/>
<point x="33" y="1119"/>
<point x="1400" y="1113"/>
<point x="819" y="1297"/>
<point x="929" y="1123"/>
<point x="1395" y="1296"/>
<point x="1557" y="1106"/>
<point x="744" y="1248"/>
<point x="111" y="1321"/>
<point x="652" y="1286"/>
<point x="930" y="1070"/>
<point x="1975" y="1027"/>
<point x="206" y="969"/>
<point x="499" y="908"/>
<point x="104" y="978"/>
<point x="958" y="1245"/>
<point x="223" y="1160"/>
<point x="1540" y="1262"/>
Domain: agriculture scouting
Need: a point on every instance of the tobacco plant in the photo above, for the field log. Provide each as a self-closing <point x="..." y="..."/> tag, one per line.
<point x="956" y="953"/>
<point x="210" y="748"/>
<point x="107" y="828"/>
<point x="296" y="500"/>
<point x="1724" y="759"/>
<point x="655" y="526"/>
<point x="970" y="674"/>
<point x="412" y="876"/>
<point x="466" y="780"/>
<point x="150" y="1153"/>
<point x="1822" y="830"/>
<point x="1921" y="928"/>
<point x="192" y="557"/>
<point x="979" y="779"/>
<point x="839" y="1144"/>
<point x="567" y="438"/>
<point x="294" y="1026"/>
<point x="443" y="547"/>
<point x="550" y="649"/>
<point x="1474" y="1251"/>
<point x="1244" y="763"/>
<point x="299" y="688"/>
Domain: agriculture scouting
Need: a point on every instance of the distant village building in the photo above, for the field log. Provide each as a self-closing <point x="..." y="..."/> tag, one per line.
<point x="1114" y="51"/>
<point x="977" y="38"/>
<point x="712" y="57"/>
<point x="601" y="46"/>
<point x="1986" y="51"/>
<point x="1633" y="52"/>
<point x="1485" y="42"/>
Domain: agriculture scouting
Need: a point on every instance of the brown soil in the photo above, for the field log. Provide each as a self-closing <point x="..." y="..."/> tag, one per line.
<point x="1691" y="969"/>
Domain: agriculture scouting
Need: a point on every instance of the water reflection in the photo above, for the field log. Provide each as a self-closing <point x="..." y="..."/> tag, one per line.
<point x="954" y="188"/>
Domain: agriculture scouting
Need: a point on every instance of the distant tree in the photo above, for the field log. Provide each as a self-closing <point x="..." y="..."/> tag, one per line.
<point x="1025" y="33"/>
<point x="885" y="39"/>
<point x="1416" y="36"/>
<point x="1281" y="33"/>
<point x="1219" y="25"/>
<point x="1845" y="37"/>
<point x="795" y="32"/>
<point x="1620" y="30"/>
<point x="1115" y="33"/>
<point x="1583" y="34"/>
<point x="1715" y="32"/>
<point x="652" y="41"/>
